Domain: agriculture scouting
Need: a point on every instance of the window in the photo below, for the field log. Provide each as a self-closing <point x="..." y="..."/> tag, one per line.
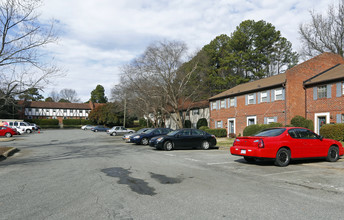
<point x="219" y="124"/>
<point x="251" y="120"/>
<point x="264" y="96"/>
<point x="269" y="120"/>
<point x="29" y="109"/>
<point x="213" y="105"/>
<point x="223" y="103"/>
<point x="232" y="102"/>
<point x="80" y="111"/>
<point x="64" y="110"/>
<point x="250" y="99"/>
<point x="322" y="91"/>
<point x="342" y="88"/>
<point x="278" y="94"/>
<point x="195" y="112"/>
<point x="54" y="110"/>
<point x="187" y="113"/>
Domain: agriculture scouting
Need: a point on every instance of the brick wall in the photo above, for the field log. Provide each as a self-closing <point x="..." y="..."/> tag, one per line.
<point x="295" y="93"/>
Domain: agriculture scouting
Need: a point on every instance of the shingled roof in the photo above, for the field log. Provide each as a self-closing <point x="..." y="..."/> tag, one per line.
<point x="333" y="74"/>
<point x="269" y="82"/>
<point x="59" y="105"/>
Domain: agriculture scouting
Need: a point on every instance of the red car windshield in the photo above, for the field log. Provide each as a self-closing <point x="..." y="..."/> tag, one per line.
<point x="271" y="132"/>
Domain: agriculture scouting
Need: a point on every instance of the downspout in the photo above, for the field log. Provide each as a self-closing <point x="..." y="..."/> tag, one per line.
<point x="285" y="103"/>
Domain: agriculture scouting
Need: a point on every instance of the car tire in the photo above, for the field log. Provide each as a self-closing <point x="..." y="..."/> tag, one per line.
<point x="168" y="146"/>
<point x="333" y="154"/>
<point x="8" y="135"/>
<point x="282" y="157"/>
<point x="250" y="159"/>
<point x="205" y="145"/>
<point x="96" y="130"/>
<point x="144" y="141"/>
<point x="28" y="131"/>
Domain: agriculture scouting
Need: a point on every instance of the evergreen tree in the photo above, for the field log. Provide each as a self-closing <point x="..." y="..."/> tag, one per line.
<point x="98" y="95"/>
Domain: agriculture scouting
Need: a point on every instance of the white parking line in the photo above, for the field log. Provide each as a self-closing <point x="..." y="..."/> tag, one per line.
<point x="171" y="155"/>
<point x="218" y="163"/>
<point x="296" y="171"/>
<point x="191" y="159"/>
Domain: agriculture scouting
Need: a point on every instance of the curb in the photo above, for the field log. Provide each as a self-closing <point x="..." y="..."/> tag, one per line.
<point x="6" y="139"/>
<point x="9" y="152"/>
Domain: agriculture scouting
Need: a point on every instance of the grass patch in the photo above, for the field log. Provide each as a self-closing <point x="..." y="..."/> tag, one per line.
<point x="225" y="142"/>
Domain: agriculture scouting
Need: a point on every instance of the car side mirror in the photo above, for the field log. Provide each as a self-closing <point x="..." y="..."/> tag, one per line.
<point x="177" y="135"/>
<point x="321" y="137"/>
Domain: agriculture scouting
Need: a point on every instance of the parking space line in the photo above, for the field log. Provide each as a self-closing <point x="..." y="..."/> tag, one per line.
<point x="295" y="171"/>
<point x="219" y="163"/>
<point x="191" y="159"/>
<point x="171" y="155"/>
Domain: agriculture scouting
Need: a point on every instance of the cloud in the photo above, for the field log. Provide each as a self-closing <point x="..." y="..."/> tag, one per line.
<point x="98" y="36"/>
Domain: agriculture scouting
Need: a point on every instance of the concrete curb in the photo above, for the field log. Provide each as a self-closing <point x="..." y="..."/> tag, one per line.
<point x="9" y="152"/>
<point x="6" y="139"/>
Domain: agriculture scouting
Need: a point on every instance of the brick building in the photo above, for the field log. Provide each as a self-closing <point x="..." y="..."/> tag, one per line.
<point x="325" y="97"/>
<point x="273" y="99"/>
<point x="55" y="110"/>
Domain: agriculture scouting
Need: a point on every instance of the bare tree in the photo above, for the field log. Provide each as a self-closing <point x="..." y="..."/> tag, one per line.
<point x="22" y="37"/>
<point x="55" y="96"/>
<point x="324" y="33"/>
<point x="69" y="95"/>
<point x="157" y="82"/>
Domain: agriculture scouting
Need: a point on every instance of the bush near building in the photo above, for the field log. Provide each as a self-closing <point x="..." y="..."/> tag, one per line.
<point x="75" y="123"/>
<point x="218" y="132"/>
<point x="202" y="122"/>
<point x="299" y="121"/>
<point x="333" y="131"/>
<point x="187" y="124"/>
<point x="46" y="123"/>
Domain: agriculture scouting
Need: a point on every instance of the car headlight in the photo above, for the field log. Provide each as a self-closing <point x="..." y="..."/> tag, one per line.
<point x="137" y="136"/>
<point x="159" y="139"/>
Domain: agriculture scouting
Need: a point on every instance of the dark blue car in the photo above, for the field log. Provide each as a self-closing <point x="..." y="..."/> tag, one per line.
<point x="144" y="138"/>
<point x="184" y="138"/>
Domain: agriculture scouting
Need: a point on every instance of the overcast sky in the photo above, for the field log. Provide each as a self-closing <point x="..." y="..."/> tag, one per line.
<point x="96" y="37"/>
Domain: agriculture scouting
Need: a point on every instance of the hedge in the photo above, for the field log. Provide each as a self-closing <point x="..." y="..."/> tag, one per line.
<point x="299" y="121"/>
<point x="218" y="132"/>
<point x="42" y="122"/>
<point x="76" y="122"/>
<point x="254" y="129"/>
<point x="203" y="128"/>
<point x="187" y="124"/>
<point x="333" y="131"/>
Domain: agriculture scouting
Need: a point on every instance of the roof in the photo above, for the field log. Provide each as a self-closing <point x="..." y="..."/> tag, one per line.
<point x="335" y="73"/>
<point x="59" y="105"/>
<point x="272" y="81"/>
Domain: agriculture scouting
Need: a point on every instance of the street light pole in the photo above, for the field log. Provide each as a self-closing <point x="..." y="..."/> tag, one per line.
<point x="125" y="110"/>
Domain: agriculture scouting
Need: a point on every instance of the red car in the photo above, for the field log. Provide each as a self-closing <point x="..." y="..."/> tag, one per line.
<point x="284" y="144"/>
<point x="7" y="131"/>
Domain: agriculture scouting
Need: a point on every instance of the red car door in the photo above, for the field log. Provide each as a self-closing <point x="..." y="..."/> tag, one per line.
<point x="2" y="131"/>
<point x="312" y="145"/>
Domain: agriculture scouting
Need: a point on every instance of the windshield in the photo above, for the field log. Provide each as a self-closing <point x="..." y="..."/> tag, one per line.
<point x="149" y="131"/>
<point x="270" y="132"/>
<point x="142" y="130"/>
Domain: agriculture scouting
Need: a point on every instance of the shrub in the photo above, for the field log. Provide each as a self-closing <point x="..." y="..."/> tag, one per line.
<point x="203" y="128"/>
<point x="254" y="129"/>
<point x="299" y="121"/>
<point x="333" y="131"/>
<point x="187" y="124"/>
<point x="143" y="123"/>
<point x="202" y="122"/>
<point x="71" y="122"/>
<point x="218" y="132"/>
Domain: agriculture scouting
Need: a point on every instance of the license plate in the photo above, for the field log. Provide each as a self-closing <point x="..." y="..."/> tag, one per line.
<point x="243" y="151"/>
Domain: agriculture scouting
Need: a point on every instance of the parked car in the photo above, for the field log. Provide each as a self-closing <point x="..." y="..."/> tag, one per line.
<point x="87" y="127"/>
<point x="21" y="126"/>
<point x="7" y="131"/>
<point x="286" y="143"/>
<point x="144" y="138"/>
<point x="184" y="138"/>
<point x="99" y="128"/>
<point x="35" y="127"/>
<point x="127" y="137"/>
<point x="119" y="130"/>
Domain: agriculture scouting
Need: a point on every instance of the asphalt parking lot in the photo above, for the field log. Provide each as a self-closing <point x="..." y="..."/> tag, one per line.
<point x="74" y="174"/>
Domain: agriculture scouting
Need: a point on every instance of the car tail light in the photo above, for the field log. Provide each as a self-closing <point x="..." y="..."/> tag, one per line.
<point x="260" y="143"/>
<point x="213" y="136"/>
<point x="236" y="142"/>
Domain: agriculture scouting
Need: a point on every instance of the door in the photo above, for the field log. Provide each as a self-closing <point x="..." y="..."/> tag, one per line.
<point x="231" y="126"/>
<point x="321" y="122"/>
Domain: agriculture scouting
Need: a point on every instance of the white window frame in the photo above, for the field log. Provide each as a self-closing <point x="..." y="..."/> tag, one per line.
<point x="219" y="124"/>
<point x="223" y="103"/>
<point x="232" y="102"/>
<point x="250" y="98"/>
<point x="278" y="94"/>
<point x="264" y="94"/>
<point x="322" y="91"/>
<point x="342" y="88"/>
<point x="323" y="114"/>
<point x="270" y="120"/>
<point x="234" y="121"/>
<point x="251" y="117"/>
<point x="214" y="105"/>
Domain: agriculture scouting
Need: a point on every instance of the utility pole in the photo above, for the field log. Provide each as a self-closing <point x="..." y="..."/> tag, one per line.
<point x="125" y="110"/>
